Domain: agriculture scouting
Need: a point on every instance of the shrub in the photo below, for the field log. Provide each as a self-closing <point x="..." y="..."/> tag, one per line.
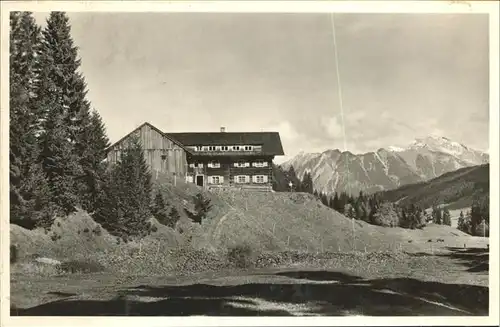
<point x="97" y="230"/>
<point x="154" y="229"/>
<point x="13" y="254"/>
<point x="386" y="216"/>
<point x="86" y="230"/>
<point x="240" y="256"/>
<point x="80" y="267"/>
<point x="201" y="207"/>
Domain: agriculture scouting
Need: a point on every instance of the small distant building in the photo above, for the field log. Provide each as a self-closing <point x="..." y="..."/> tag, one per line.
<point x="208" y="159"/>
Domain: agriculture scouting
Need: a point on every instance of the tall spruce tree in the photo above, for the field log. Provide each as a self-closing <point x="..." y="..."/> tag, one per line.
<point x="91" y="150"/>
<point x="62" y="97"/>
<point x="30" y="196"/>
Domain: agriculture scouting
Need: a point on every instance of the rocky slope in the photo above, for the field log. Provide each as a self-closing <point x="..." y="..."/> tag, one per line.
<point x="384" y="169"/>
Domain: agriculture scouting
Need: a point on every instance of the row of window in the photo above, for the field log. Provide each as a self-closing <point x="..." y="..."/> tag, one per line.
<point x="240" y="164"/>
<point x="224" y="148"/>
<point x="239" y="179"/>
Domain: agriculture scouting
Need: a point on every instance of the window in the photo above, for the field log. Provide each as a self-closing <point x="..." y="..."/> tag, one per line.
<point x="236" y="148"/>
<point x="216" y="179"/>
<point x="214" y="164"/>
<point x="242" y="164"/>
<point x="191" y="165"/>
<point x="163" y="157"/>
<point x="199" y="148"/>
<point x="260" y="179"/>
<point x="211" y="148"/>
<point x="248" y="148"/>
<point x="189" y="179"/>
<point x="241" y="179"/>
<point x="260" y="164"/>
<point x="200" y="165"/>
<point x="224" y="148"/>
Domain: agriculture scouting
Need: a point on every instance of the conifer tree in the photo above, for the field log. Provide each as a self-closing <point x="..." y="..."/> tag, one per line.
<point x="462" y="223"/>
<point x="69" y="86"/>
<point x="30" y="198"/>
<point x="62" y="94"/>
<point x="446" y="217"/>
<point x="307" y="183"/>
<point x="336" y="202"/>
<point x="404" y="221"/>
<point x="91" y="150"/>
<point x="159" y="208"/>
<point x="436" y="215"/>
<point x="124" y="206"/>
<point x="476" y="216"/>
<point x="343" y="200"/>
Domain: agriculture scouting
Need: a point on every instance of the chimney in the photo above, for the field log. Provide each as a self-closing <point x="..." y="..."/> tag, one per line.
<point x="222" y="129"/>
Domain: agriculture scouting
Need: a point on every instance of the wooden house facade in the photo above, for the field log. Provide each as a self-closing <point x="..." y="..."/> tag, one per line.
<point x="209" y="160"/>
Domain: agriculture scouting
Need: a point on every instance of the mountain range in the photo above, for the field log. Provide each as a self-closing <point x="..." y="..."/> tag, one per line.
<point x="386" y="168"/>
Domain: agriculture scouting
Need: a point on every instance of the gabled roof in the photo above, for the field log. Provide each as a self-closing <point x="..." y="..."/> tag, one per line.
<point x="270" y="141"/>
<point x="156" y="130"/>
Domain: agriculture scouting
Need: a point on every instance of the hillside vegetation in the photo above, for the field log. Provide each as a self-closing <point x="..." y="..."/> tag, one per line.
<point x="457" y="189"/>
<point x="264" y="221"/>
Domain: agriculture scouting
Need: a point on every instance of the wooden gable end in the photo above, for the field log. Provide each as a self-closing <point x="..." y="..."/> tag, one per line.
<point x="161" y="153"/>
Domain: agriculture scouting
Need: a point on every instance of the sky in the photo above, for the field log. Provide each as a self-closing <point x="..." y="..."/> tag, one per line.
<point x="402" y="76"/>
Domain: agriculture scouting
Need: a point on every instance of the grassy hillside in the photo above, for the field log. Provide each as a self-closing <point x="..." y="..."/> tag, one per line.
<point x="456" y="189"/>
<point x="296" y="221"/>
<point x="265" y="221"/>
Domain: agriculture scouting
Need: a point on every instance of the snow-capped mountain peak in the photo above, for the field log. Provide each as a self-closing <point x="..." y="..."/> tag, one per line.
<point x="440" y="144"/>
<point x="395" y="148"/>
<point x="385" y="168"/>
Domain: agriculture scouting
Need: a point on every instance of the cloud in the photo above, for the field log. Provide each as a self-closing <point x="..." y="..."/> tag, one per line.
<point x="286" y="130"/>
<point x="355" y="116"/>
<point x="332" y="127"/>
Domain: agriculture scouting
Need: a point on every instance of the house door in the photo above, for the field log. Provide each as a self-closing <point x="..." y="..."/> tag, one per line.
<point x="199" y="180"/>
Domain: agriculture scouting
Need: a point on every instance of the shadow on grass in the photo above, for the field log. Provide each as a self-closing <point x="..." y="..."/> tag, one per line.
<point x="344" y="295"/>
<point x="475" y="259"/>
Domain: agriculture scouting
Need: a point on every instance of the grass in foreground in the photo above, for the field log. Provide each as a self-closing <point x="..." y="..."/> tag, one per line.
<point x="452" y="283"/>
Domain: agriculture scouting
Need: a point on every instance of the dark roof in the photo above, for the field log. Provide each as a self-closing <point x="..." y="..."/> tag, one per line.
<point x="270" y="141"/>
<point x="153" y="128"/>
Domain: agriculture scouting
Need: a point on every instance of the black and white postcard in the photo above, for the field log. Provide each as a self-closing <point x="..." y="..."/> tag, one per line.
<point x="241" y="163"/>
